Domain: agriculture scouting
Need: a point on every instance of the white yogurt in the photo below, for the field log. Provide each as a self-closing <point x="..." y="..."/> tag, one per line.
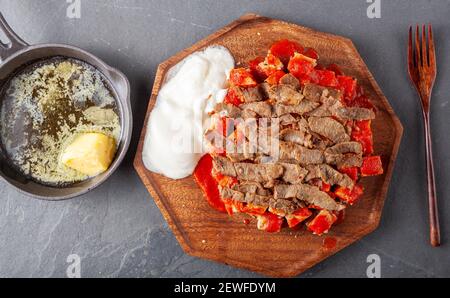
<point x="174" y="140"/>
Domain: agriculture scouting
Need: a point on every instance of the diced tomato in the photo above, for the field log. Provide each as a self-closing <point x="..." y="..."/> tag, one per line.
<point x="271" y="64"/>
<point x="325" y="187"/>
<point x="348" y="86"/>
<point x="232" y="97"/>
<point x="269" y="222"/>
<point x="301" y="66"/>
<point x="242" y="77"/>
<point x="203" y="177"/>
<point x="372" y="166"/>
<point x="366" y="142"/>
<point x="334" y="68"/>
<point x="352" y="172"/>
<point x="311" y="53"/>
<point x="322" y="222"/>
<point x="298" y="216"/>
<point x="326" y="78"/>
<point x="255" y="70"/>
<point x="362" y="133"/>
<point x="349" y="196"/>
<point x="363" y="126"/>
<point x="285" y="49"/>
<point x="275" y="77"/>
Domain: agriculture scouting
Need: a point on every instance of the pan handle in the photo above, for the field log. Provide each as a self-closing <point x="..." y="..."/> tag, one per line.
<point x="15" y="42"/>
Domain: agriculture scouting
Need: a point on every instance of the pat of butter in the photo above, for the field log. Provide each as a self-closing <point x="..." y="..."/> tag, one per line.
<point x="89" y="153"/>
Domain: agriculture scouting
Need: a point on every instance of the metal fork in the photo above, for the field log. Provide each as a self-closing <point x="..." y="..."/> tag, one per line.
<point x="422" y="72"/>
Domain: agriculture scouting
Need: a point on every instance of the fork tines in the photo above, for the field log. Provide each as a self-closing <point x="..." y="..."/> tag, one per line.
<point x="423" y="52"/>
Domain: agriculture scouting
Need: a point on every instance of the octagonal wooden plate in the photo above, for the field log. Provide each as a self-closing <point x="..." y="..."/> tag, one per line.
<point x="206" y="233"/>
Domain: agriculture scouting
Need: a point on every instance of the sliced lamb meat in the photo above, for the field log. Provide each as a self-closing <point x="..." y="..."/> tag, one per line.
<point x="303" y="107"/>
<point x="329" y="128"/>
<point x="252" y="198"/>
<point x="287" y="206"/>
<point x="303" y="155"/>
<point x="258" y="172"/>
<point x="282" y="94"/>
<point x="228" y="193"/>
<point x="261" y="108"/>
<point x="354" y="113"/>
<point x="228" y="110"/>
<point x="344" y="155"/>
<point x="317" y="93"/>
<point x="344" y="160"/>
<point x="333" y="177"/>
<point x="257" y="200"/>
<point x="251" y="187"/>
<point x="251" y="94"/>
<point x="287" y="119"/>
<point x="224" y="166"/>
<point x="293" y="173"/>
<point x="313" y="172"/>
<point x="327" y="108"/>
<point x="296" y="136"/>
<point x="310" y="194"/>
<point x="345" y="147"/>
<point x="289" y="79"/>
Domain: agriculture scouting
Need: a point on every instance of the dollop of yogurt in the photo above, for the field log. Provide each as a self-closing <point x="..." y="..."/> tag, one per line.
<point x="174" y="139"/>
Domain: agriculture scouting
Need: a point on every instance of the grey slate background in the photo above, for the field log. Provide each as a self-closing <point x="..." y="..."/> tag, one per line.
<point x="118" y="231"/>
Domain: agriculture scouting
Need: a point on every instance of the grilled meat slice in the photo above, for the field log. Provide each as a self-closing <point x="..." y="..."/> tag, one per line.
<point x="287" y="206"/>
<point x="354" y="113"/>
<point x="251" y="94"/>
<point x="310" y="194"/>
<point x="317" y="93"/>
<point x="282" y="94"/>
<point x="228" y="110"/>
<point x="296" y="136"/>
<point x="303" y="107"/>
<point x="329" y="128"/>
<point x="344" y="160"/>
<point x="258" y="172"/>
<point x="329" y="175"/>
<point x="261" y="108"/>
<point x="287" y="119"/>
<point x="228" y="193"/>
<point x="344" y="155"/>
<point x="293" y="173"/>
<point x="303" y="155"/>
<point x="251" y="187"/>
<point x="290" y="80"/>
<point x="224" y="166"/>
<point x="345" y="147"/>
<point x="262" y="173"/>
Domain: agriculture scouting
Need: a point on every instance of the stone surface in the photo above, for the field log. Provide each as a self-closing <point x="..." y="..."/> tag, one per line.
<point x="118" y="231"/>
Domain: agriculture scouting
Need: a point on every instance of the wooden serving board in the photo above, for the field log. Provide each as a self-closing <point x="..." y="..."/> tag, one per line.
<point x="206" y="233"/>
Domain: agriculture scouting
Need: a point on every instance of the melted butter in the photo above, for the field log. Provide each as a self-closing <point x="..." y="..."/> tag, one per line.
<point x="44" y="106"/>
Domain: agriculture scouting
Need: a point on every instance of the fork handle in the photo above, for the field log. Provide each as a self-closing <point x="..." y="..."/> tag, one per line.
<point x="435" y="234"/>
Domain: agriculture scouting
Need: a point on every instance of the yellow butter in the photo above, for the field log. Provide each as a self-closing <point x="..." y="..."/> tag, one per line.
<point x="89" y="153"/>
